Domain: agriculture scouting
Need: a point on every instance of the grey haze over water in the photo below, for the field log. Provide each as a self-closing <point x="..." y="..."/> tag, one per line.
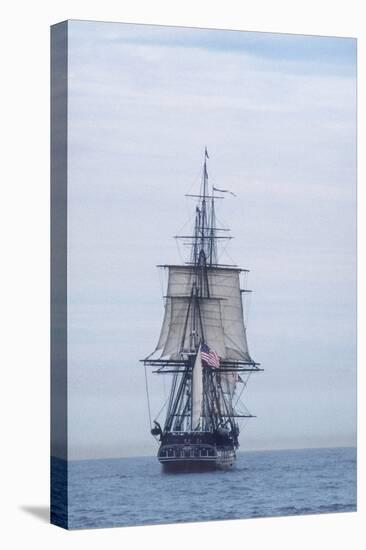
<point x="278" y="115"/>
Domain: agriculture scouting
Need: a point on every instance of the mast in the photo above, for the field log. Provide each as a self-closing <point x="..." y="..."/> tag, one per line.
<point x="207" y="218"/>
<point x="213" y="251"/>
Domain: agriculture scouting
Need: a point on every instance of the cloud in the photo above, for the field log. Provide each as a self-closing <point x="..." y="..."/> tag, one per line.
<point x="305" y="51"/>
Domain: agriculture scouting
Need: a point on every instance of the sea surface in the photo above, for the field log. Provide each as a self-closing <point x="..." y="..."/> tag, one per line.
<point x="135" y="491"/>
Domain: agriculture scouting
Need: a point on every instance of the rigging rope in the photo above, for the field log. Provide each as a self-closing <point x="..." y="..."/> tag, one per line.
<point x="242" y="390"/>
<point x="166" y="401"/>
<point x="148" y="397"/>
<point x="179" y="251"/>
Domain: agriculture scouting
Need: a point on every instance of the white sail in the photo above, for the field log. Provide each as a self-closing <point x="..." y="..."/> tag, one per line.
<point x="180" y="280"/>
<point x="221" y="314"/>
<point x="173" y="344"/>
<point x="197" y="389"/>
<point x="213" y="325"/>
<point x="224" y="283"/>
<point x="176" y="305"/>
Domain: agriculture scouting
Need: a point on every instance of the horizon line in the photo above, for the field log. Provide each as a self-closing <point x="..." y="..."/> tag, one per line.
<point x="238" y="452"/>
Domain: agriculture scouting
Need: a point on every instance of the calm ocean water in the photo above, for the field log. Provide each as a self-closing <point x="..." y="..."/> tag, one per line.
<point x="135" y="491"/>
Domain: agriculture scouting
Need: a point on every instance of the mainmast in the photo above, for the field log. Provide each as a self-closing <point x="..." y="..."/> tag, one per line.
<point x="203" y="241"/>
<point x="204" y="207"/>
<point x="205" y="234"/>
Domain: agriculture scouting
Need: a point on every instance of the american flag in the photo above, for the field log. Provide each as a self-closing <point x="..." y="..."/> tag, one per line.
<point x="210" y="356"/>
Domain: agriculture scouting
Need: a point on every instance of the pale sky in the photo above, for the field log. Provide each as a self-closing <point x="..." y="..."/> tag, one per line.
<point x="278" y="116"/>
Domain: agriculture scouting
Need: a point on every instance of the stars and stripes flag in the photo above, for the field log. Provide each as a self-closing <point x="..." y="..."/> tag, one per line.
<point x="209" y="356"/>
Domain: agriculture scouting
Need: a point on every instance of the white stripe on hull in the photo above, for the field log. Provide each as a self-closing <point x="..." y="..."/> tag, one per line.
<point x="200" y="456"/>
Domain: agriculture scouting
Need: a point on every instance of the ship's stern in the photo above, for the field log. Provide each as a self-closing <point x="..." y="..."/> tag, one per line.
<point x="187" y="453"/>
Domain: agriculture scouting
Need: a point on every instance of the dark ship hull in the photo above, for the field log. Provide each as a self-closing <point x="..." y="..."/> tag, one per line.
<point x="187" y="452"/>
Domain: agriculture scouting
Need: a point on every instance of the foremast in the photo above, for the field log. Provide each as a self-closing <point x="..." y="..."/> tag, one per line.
<point x="203" y="312"/>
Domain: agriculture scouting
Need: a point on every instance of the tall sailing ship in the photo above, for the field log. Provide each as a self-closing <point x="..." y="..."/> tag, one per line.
<point x="203" y="348"/>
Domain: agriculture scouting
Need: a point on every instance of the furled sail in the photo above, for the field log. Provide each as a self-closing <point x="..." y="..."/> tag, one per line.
<point x="197" y="390"/>
<point x="221" y="314"/>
